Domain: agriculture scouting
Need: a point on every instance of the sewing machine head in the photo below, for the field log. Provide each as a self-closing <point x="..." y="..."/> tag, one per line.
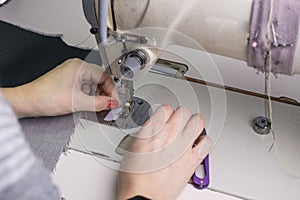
<point x="127" y="56"/>
<point x="127" y="62"/>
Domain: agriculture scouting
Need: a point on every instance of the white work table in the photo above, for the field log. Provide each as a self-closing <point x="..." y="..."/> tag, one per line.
<point x="80" y="176"/>
<point x="240" y="163"/>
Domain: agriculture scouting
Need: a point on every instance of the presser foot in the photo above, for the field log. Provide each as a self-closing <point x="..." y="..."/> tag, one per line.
<point x="139" y="112"/>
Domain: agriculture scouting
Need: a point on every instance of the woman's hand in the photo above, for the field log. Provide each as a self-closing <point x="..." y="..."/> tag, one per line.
<point x="70" y="87"/>
<point x="162" y="157"/>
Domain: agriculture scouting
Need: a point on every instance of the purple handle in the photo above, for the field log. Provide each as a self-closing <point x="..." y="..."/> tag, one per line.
<point x="202" y="183"/>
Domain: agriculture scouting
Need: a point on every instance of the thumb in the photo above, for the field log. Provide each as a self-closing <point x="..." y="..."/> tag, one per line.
<point x="203" y="148"/>
<point x="105" y="102"/>
<point x="95" y="103"/>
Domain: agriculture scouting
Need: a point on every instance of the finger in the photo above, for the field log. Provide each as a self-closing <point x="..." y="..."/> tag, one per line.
<point x="96" y="75"/>
<point x="86" y="88"/>
<point x="105" y="102"/>
<point x="193" y="128"/>
<point x="92" y="73"/>
<point x="109" y="88"/>
<point x="94" y="89"/>
<point x="84" y="102"/>
<point x="91" y="89"/>
<point x="177" y="123"/>
<point x="156" y="122"/>
<point x="202" y="149"/>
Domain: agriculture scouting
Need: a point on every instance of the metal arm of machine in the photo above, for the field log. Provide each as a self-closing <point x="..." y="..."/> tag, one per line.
<point x="130" y="63"/>
<point x="220" y="27"/>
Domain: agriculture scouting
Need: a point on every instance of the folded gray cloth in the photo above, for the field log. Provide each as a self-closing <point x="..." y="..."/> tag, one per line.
<point x="48" y="136"/>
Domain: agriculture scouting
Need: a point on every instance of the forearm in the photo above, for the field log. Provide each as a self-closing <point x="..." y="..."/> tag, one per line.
<point x="19" y="99"/>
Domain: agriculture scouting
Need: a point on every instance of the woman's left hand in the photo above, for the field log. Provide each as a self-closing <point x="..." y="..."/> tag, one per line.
<point x="72" y="86"/>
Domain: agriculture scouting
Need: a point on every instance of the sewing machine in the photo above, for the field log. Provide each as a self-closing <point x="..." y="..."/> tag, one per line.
<point x="242" y="164"/>
<point x="130" y="48"/>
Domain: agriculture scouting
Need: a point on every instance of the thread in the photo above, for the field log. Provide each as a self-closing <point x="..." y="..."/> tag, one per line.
<point x="83" y="41"/>
<point x="270" y="61"/>
<point x="269" y="107"/>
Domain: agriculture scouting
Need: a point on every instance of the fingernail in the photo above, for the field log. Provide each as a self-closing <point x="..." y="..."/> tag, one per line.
<point x="112" y="104"/>
<point x="205" y="147"/>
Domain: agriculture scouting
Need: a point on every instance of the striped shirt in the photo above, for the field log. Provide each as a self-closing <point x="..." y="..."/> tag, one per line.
<point x="22" y="175"/>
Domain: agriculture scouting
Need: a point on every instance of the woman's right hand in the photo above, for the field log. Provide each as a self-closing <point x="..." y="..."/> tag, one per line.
<point x="162" y="157"/>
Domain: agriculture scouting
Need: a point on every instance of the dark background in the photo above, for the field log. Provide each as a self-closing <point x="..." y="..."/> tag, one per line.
<point x="26" y="55"/>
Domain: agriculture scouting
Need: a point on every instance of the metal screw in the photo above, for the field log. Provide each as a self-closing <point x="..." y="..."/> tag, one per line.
<point x="94" y="30"/>
<point x="262" y="125"/>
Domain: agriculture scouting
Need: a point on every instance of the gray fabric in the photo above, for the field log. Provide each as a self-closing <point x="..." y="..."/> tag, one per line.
<point x="48" y="136"/>
<point x="286" y="19"/>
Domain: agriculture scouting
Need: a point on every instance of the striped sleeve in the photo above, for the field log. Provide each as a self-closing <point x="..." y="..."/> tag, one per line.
<point x="22" y="176"/>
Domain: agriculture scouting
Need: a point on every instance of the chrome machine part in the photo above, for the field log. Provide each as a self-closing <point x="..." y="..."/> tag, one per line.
<point x="140" y="112"/>
<point x="262" y="125"/>
<point x="127" y="65"/>
<point x="127" y="56"/>
<point x="134" y="61"/>
<point x="127" y="86"/>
